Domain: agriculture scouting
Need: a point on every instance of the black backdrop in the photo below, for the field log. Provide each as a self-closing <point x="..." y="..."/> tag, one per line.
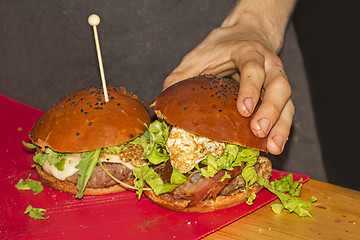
<point x="329" y="38"/>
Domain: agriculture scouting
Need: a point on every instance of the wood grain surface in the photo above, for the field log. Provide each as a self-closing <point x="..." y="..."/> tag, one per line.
<point x="336" y="216"/>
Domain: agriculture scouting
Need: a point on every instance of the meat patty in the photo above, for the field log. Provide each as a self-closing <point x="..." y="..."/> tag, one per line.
<point x="130" y="154"/>
<point x="100" y="179"/>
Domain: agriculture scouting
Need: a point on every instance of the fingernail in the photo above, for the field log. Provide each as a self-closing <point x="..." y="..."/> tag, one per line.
<point x="264" y="125"/>
<point x="249" y="104"/>
<point x="279" y="140"/>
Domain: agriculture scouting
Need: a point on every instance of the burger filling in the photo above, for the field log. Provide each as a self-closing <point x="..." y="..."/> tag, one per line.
<point x="185" y="166"/>
<point x="85" y="170"/>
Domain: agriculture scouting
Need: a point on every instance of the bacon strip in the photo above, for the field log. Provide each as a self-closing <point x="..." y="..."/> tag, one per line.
<point x="210" y="187"/>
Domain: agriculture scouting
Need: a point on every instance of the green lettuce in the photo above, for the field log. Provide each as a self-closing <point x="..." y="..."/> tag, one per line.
<point x="54" y="158"/>
<point x="30" y="184"/>
<point x="153" y="142"/>
<point x="287" y="191"/>
<point x="233" y="156"/>
<point x="35" y="213"/>
<point x="145" y="174"/>
<point x="86" y="168"/>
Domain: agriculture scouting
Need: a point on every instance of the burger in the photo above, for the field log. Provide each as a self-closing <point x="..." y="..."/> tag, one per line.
<point x="84" y="144"/>
<point x="201" y="153"/>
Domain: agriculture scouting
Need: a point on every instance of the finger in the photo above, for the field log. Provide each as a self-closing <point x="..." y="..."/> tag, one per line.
<point x="281" y="130"/>
<point x="252" y="77"/>
<point x="276" y="96"/>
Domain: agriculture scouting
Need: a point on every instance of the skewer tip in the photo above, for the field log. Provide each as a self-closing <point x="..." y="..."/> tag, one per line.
<point x="94" y="20"/>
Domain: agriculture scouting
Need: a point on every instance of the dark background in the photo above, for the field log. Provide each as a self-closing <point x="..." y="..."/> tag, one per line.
<point x="329" y="38"/>
<point x="47" y="50"/>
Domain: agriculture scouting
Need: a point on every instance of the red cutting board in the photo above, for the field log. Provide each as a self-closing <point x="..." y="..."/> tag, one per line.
<point x="119" y="215"/>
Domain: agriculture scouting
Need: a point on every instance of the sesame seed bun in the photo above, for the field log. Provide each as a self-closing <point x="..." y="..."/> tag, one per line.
<point x="206" y="105"/>
<point x="82" y="121"/>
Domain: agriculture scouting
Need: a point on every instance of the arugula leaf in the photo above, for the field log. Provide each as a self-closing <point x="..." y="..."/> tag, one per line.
<point x="29" y="145"/>
<point x="30" y="184"/>
<point x="35" y="213"/>
<point x="86" y="167"/>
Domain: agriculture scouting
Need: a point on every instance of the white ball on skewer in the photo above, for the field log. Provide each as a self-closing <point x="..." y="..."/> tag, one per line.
<point x="94" y="20"/>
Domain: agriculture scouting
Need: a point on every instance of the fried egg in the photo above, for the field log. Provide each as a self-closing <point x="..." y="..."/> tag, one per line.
<point x="187" y="149"/>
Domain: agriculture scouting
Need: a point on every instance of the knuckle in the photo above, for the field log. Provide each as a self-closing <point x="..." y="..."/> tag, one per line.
<point x="253" y="68"/>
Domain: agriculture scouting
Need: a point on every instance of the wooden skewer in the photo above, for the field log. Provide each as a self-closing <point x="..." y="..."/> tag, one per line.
<point x="94" y="20"/>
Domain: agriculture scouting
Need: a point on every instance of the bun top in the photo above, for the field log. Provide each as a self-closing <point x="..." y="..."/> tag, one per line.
<point x="206" y="105"/>
<point x="83" y="121"/>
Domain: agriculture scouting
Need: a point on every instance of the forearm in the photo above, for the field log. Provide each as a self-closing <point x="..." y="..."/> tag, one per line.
<point x="268" y="17"/>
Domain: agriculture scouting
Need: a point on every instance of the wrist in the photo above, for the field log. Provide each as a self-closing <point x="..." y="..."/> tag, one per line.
<point x="268" y="19"/>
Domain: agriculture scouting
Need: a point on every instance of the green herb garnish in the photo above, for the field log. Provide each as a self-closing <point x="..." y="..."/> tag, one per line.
<point x="35" y="213"/>
<point x="30" y="184"/>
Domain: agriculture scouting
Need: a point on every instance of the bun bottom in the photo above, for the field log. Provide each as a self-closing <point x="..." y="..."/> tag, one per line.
<point x="214" y="204"/>
<point x="69" y="187"/>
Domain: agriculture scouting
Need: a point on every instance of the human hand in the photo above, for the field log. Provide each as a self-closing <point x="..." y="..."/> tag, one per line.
<point x="243" y="52"/>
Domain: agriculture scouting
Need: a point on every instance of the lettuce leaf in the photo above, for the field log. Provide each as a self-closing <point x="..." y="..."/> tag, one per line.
<point x="113" y="149"/>
<point x="29" y="145"/>
<point x="287" y="191"/>
<point x="86" y="168"/>
<point x="233" y="156"/>
<point x="146" y="174"/>
<point x="35" y="213"/>
<point x="55" y="158"/>
<point x="153" y="142"/>
<point x="30" y="184"/>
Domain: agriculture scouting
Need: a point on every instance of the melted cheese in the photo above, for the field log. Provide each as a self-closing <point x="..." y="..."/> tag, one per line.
<point x="69" y="168"/>
<point x="73" y="159"/>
